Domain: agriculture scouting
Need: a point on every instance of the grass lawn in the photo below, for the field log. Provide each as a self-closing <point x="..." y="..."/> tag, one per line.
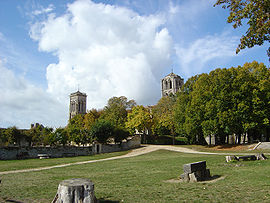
<point x="226" y="148"/>
<point x="142" y="179"/>
<point x="8" y="165"/>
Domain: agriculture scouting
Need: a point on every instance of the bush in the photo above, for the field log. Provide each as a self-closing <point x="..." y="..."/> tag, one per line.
<point x="167" y="140"/>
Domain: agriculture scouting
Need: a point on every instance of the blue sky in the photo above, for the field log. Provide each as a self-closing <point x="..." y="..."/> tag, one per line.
<point x="107" y="48"/>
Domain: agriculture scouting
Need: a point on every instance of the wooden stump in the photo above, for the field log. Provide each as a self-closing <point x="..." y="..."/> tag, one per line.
<point x="76" y="190"/>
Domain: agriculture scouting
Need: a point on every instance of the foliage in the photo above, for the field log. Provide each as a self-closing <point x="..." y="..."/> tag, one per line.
<point x="120" y="134"/>
<point x="102" y="130"/>
<point x="116" y="110"/>
<point x="224" y="102"/>
<point x="163" y="114"/>
<point x="77" y="132"/>
<point x="59" y="136"/>
<point x="140" y="119"/>
<point x="12" y="135"/>
<point x="90" y="118"/>
<point x="257" y="13"/>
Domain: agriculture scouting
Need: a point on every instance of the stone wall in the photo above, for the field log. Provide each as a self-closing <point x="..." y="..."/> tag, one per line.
<point x="7" y="153"/>
<point x="32" y="152"/>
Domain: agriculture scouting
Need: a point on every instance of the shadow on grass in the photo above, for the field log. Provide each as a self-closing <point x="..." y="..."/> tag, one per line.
<point x="212" y="179"/>
<point x="14" y="201"/>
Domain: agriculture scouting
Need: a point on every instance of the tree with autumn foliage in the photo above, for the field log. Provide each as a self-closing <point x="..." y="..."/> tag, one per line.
<point x="141" y="119"/>
<point x="163" y="114"/>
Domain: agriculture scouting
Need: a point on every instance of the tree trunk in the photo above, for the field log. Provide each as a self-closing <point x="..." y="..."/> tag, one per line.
<point x="239" y="138"/>
<point x="76" y="190"/>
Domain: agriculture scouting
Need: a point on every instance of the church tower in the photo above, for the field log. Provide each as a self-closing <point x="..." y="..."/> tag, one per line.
<point x="77" y="104"/>
<point x="171" y="84"/>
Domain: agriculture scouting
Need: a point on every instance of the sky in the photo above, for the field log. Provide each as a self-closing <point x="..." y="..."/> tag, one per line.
<point x="49" y="49"/>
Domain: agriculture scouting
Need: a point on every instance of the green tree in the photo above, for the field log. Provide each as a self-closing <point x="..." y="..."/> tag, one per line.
<point x="59" y="136"/>
<point x="77" y="132"/>
<point x="116" y="110"/>
<point x="3" y="137"/>
<point x="140" y="118"/>
<point x="163" y="116"/>
<point x="257" y="14"/>
<point x="90" y="118"/>
<point x="13" y="135"/>
<point x="102" y="130"/>
<point x="120" y="134"/>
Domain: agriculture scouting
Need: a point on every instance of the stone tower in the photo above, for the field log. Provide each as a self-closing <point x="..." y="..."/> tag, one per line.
<point x="171" y="84"/>
<point x="77" y="104"/>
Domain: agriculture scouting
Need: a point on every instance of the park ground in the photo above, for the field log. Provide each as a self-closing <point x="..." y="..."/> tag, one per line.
<point x="141" y="175"/>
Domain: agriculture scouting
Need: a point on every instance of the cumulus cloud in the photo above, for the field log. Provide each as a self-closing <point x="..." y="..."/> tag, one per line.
<point x="107" y="51"/>
<point x="22" y="103"/>
<point x="194" y="57"/>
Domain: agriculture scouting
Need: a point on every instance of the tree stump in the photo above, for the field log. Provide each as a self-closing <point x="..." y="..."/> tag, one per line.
<point x="76" y="190"/>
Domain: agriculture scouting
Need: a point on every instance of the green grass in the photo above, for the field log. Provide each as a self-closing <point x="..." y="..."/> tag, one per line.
<point x="224" y="149"/>
<point x="141" y="179"/>
<point x="8" y="165"/>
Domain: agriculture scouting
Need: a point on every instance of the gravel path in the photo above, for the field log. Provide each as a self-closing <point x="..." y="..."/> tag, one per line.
<point x="136" y="152"/>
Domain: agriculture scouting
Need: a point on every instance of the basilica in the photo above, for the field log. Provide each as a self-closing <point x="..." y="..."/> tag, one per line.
<point x="170" y="84"/>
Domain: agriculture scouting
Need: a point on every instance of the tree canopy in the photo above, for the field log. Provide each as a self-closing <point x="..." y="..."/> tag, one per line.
<point x="225" y="102"/>
<point x="116" y="110"/>
<point x="257" y="14"/>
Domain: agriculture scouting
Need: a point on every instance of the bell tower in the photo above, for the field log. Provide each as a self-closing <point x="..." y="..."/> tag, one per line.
<point x="171" y="84"/>
<point x="77" y="104"/>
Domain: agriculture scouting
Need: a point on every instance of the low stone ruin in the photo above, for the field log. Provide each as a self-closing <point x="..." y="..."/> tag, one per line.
<point x="76" y="190"/>
<point x="246" y="157"/>
<point x="194" y="172"/>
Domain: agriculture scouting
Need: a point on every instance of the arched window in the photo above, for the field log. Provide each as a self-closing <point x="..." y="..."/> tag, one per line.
<point x="166" y="85"/>
<point x="170" y="84"/>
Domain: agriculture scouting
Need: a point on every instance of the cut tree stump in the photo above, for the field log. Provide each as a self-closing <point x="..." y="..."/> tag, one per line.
<point x="76" y="190"/>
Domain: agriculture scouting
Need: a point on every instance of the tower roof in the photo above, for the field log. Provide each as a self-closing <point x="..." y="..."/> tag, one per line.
<point x="78" y="93"/>
<point x="172" y="75"/>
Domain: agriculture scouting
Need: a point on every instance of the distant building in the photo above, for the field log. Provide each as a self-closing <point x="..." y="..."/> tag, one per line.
<point x="77" y="104"/>
<point x="171" y="84"/>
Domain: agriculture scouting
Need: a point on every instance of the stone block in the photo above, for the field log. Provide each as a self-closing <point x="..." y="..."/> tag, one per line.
<point x="185" y="177"/>
<point x="193" y="178"/>
<point x="193" y="167"/>
<point x="207" y="174"/>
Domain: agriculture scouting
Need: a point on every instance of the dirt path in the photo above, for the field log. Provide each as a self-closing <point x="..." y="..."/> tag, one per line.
<point x="136" y="152"/>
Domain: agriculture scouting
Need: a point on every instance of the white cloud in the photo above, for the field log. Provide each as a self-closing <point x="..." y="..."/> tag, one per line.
<point x="107" y="50"/>
<point x="43" y="10"/>
<point x="200" y="52"/>
<point x="21" y="103"/>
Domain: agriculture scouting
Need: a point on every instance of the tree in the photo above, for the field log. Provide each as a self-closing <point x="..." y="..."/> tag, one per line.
<point x="120" y="134"/>
<point x="90" y="118"/>
<point x="225" y="102"/>
<point x="257" y="12"/>
<point x="102" y="130"/>
<point x="77" y="132"/>
<point x="13" y="135"/>
<point x="139" y="119"/>
<point x="59" y="136"/>
<point x="163" y="115"/>
<point x="116" y="110"/>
